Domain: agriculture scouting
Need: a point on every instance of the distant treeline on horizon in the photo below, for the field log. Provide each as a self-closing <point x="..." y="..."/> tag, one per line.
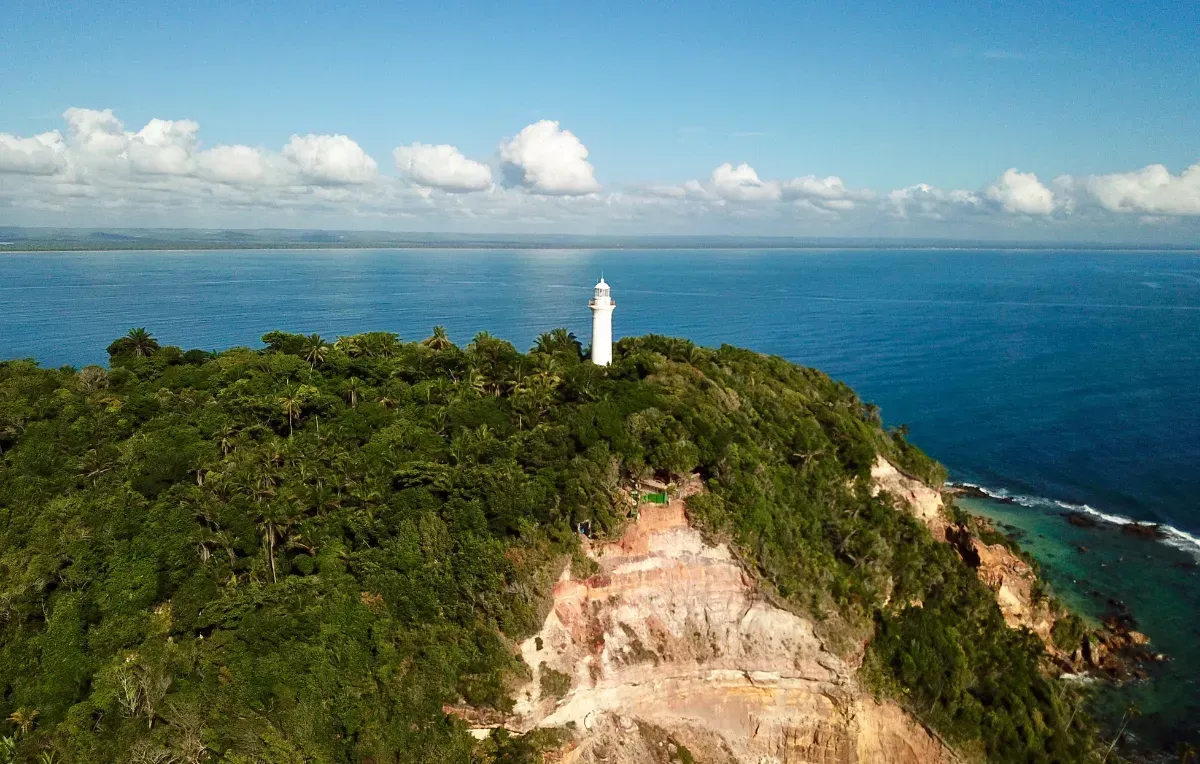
<point x="17" y="239"/>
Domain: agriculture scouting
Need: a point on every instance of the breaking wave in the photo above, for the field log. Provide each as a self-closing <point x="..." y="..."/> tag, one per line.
<point x="1171" y="536"/>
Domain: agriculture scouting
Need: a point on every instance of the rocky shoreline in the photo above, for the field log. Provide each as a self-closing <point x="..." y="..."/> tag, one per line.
<point x="1112" y="649"/>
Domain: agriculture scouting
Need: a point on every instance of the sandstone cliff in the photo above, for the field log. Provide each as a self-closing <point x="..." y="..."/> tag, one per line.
<point x="1115" y="650"/>
<point x="670" y="647"/>
<point x="1006" y="573"/>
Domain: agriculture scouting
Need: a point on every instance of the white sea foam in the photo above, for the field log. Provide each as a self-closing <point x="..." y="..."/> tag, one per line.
<point x="1171" y="536"/>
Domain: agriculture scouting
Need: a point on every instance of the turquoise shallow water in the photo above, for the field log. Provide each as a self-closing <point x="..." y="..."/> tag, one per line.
<point x="1058" y="376"/>
<point x="1159" y="584"/>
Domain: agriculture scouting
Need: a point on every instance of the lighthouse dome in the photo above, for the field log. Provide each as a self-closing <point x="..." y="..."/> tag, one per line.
<point x="602" y="289"/>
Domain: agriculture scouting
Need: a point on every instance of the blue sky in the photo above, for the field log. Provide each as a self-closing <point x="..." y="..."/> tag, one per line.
<point x="882" y="96"/>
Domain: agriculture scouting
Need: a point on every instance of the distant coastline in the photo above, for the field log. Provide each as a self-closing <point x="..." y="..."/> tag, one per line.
<point x="16" y="239"/>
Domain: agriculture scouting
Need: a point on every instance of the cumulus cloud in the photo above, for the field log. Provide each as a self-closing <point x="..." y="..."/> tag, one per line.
<point x="549" y="160"/>
<point x="1013" y="193"/>
<point x="164" y="147"/>
<point x="40" y="155"/>
<point x="98" y="172"/>
<point x="99" y="145"/>
<point x="98" y="140"/>
<point x="235" y="164"/>
<point x="822" y="188"/>
<point x="1021" y="192"/>
<point x="742" y="183"/>
<point x="442" y="167"/>
<point x="331" y="159"/>
<point x="926" y="201"/>
<point x="94" y="132"/>
<point x="1152" y="190"/>
<point x="829" y="193"/>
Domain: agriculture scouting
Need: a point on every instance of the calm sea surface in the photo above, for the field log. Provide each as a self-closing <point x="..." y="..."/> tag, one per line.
<point x="1068" y="377"/>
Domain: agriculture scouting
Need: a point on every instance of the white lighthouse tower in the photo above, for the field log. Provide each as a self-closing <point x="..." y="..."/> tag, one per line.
<point x="602" y="310"/>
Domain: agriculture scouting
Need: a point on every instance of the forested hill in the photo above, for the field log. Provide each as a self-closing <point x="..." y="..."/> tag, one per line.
<point x="301" y="553"/>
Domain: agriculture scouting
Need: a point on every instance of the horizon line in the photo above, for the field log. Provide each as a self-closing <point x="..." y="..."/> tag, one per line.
<point x="89" y="238"/>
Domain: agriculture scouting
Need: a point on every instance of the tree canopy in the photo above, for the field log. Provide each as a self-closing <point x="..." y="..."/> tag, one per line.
<point x="300" y="553"/>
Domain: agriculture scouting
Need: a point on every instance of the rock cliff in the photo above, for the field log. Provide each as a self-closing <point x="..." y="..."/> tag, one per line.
<point x="1115" y="650"/>
<point x="999" y="567"/>
<point x="670" y="646"/>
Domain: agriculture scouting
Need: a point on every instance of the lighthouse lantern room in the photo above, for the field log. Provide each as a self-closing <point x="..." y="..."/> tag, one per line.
<point x="602" y="310"/>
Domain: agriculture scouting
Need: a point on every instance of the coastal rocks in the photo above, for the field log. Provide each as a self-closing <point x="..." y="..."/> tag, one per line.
<point x="924" y="503"/>
<point x="1080" y="520"/>
<point x="1116" y="653"/>
<point x="671" y="644"/>
<point x="1013" y="581"/>
<point x="959" y="537"/>
<point x="1117" y="650"/>
<point x="1148" y="531"/>
<point x="1006" y="573"/>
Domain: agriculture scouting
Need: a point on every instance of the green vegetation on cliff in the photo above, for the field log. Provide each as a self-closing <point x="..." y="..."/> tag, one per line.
<point x="301" y="553"/>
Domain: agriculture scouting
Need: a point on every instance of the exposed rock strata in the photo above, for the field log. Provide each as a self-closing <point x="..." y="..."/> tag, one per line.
<point x="670" y="644"/>
<point x="1117" y="650"/>
<point x="1006" y="573"/>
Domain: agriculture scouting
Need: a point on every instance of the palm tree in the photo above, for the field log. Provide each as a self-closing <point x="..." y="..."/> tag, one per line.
<point x="227" y="540"/>
<point x="439" y="340"/>
<point x="23" y="720"/>
<point x="321" y="498"/>
<point x="351" y="346"/>
<point x="274" y="520"/>
<point x="315" y="350"/>
<point x="228" y="433"/>
<point x="93" y="464"/>
<point x="92" y="379"/>
<point x="291" y="408"/>
<point x="139" y="342"/>
<point x="558" y="341"/>
<point x="352" y="389"/>
<point x="381" y="344"/>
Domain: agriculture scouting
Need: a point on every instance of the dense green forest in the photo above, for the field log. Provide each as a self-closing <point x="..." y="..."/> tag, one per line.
<point x="301" y="553"/>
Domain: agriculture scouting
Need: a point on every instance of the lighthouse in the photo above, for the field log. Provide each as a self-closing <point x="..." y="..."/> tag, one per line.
<point x="602" y="310"/>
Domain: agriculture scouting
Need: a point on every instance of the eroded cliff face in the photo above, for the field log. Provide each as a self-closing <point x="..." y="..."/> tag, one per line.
<point x="670" y="645"/>
<point x="1007" y="574"/>
<point x="1115" y="650"/>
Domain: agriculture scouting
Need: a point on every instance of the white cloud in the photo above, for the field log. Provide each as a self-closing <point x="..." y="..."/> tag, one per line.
<point x="443" y="167"/>
<point x="325" y="159"/>
<point x="841" y="205"/>
<point x="1022" y="193"/>
<point x="94" y="132"/>
<point x="98" y="173"/>
<point x="822" y="188"/>
<point x="100" y="146"/>
<point x="926" y="201"/>
<point x="40" y="155"/>
<point x="1152" y="189"/>
<point x="235" y="164"/>
<point x="742" y="183"/>
<point x="549" y="160"/>
<point x="164" y="147"/>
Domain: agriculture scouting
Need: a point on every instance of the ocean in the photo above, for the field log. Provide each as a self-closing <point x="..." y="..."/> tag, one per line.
<point x="1060" y="379"/>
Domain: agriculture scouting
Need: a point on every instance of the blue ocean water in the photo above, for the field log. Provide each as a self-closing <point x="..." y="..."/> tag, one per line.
<point x="1063" y="377"/>
<point x="1070" y="375"/>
